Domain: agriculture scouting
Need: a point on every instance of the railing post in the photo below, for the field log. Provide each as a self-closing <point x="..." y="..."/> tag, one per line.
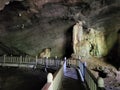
<point x="46" y="64"/>
<point x="49" y="77"/>
<point x="20" y="59"/>
<point x="100" y="83"/>
<point x="4" y="57"/>
<point x="77" y="62"/>
<point x="79" y="57"/>
<point x="65" y="64"/>
<point x="56" y="61"/>
<point x="50" y="80"/>
<point x="29" y="59"/>
<point x="36" y="60"/>
<point x="25" y="59"/>
<point x="11" y="58"/>
<point x="84" y="69"/>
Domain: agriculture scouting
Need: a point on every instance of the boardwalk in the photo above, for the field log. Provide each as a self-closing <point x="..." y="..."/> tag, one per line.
<point x="72" y="81"/>
<point x="29" y="62"/>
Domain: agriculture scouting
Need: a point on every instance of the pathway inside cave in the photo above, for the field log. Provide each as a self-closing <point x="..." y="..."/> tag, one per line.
<point x="71" y="80"/>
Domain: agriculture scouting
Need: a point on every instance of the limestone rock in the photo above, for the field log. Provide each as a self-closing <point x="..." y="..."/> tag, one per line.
<point x="102" y="36"/>
<point x="93" y="44"/>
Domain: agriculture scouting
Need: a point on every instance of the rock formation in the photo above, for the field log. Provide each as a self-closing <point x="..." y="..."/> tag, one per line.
<point x="103" y="33"/>
<point x="77" y="35"/>
<point x="45" y="53"/>
<point x="93" y="44"/>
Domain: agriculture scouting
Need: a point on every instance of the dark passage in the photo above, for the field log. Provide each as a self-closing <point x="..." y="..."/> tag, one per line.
<point x="68" y="45"/>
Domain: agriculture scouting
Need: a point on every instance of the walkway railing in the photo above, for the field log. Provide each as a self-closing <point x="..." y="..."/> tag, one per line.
<point x="15" y="61"/>
<point x="48" y="62"/>
<point x="86" y="75"/>
<point x="89" y="78"/>
<point x="54" y="82"/>
<point x="27" y="61"/>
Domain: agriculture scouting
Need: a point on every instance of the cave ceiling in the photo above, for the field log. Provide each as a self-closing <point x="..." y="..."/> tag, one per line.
<point x="36" y="3"/>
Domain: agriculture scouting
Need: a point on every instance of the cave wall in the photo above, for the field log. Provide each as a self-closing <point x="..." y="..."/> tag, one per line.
<point x="32" y="32"/>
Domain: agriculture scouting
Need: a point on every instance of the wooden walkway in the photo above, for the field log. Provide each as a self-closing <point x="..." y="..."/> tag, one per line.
<point x="29" y="62"/>
<point x="71" y="80"/>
